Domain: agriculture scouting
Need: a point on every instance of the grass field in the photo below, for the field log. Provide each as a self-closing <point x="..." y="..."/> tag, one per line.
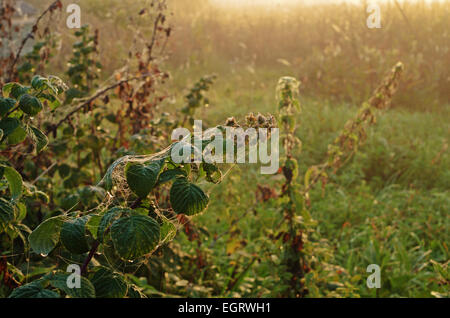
<point x="388" y="206"/>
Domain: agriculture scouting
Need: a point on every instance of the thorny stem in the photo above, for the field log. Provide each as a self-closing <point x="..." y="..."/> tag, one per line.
<point x="90" y="256"/>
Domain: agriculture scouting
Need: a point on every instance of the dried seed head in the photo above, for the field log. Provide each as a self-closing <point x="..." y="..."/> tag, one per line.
<point x="231" y="122"/>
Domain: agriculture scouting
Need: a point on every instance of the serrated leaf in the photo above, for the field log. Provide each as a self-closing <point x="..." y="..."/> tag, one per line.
<point x="6" y="89"/>
<point x="30" y="105"/>
<point x="170" y="175"/>
<point x="93" y="223"/>
<point x="187" y="198"/>
<point x="14" y="181"/>
<point x="6" y="212"/>
<point x="6" y="104"/>
<point x="39" y="138"/>
<point x="45" y="237"/>
<point x="142" y="178"/>
<point x="86" y="290"/>
<point x="134" y="236"/>
<point x="18" y="90"/>
<point x="33" y="290"/>
<point x="39" y="83"/>
<point x="73" y="235"/>
<point x="17" y="135"/>
<point x="8" y="125"/>
<point x="108" y="284"/>
<point x="108" y="219"/>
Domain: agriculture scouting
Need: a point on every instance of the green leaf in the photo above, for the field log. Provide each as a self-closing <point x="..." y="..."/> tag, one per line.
<point x="108" y="219"/>
<point x="213" y="173"/>
<point x="1" y="134"/>
<point x="6" y="212"/>
<point x="142" y="178"/>
<point x="33" y="290"/>
<point x="108" y="284"/>
<point x="171" y="174"/>
<point x="134" y="236"/>
<point x="30" y="105"/>
<point x="39" y="138"/>
<point x="86" y="290"/>
<point x="14" y="90"/>
<point x="168" y="231"/>
<point x="6" y="104"/>
<point x="17" y="135"/>
<point x="21" y="211"/>
<point x="93" y="224"/>
<point x="6" y="89"/>
<point x="45" y="237"/>
<point x="39" y="83"/>
<point x="187" y="198"/>
<point x="64" y="170"/>
<point x="14" y="181"/>
<point x="73" y="235"/>
<point x="8" y="125"/>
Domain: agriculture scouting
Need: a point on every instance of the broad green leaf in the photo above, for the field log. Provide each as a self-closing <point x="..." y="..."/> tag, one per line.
<point x="39" y="138"/>
<point x="134" y="236"/>
<point x="142" y="178"/>
<point x="73" y="235"/>
<point x="8" y="125"/>
<point x="6" y="104"/>
<point x="170" y="175"/>
<point x="86" y="290"/>
<point x="14" y="181"/>
<point x="14" y="90"/>
<point x="30" y="105"/>
<point x="39" y="83"/>
<point x="52" y="101"/>
<point x="70" y="201"/>
<point x="6" y="89"/>
<point x="108" y="219"/>
<point x="17" y="135"/>
<point x="45" y="237"/>
<point x="18" y="90"/>
<point x="64" y="170"/>
<point x="108" y="284"/>
<point x="93" y="223"/>
<point x="6" y="212"/>
<point x="33" y="290"/>
<point x="187" y="198"/>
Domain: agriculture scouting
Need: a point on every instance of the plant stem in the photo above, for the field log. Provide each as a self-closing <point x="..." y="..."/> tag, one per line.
<point x="89" y="257"/>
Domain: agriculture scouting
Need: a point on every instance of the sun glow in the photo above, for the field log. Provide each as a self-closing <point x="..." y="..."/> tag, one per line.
<point x="237" y="3"/>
